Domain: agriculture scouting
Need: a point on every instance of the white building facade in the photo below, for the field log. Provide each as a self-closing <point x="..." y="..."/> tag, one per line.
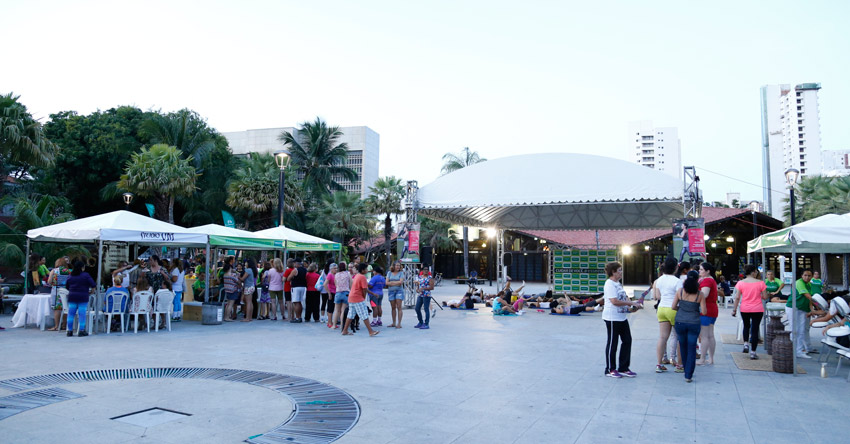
<point x="656" y="148"/>
<point x="836" y="162"/>
<point x="363" y="151"/>
<point x="790" y="138"/>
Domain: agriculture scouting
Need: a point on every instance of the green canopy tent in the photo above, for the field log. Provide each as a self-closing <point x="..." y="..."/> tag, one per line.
<point x="829" y="233"/>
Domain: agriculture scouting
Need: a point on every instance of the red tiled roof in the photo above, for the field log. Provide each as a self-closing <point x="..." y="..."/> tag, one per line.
<point x="607" y="238"/>
<point x="361" y="246"/>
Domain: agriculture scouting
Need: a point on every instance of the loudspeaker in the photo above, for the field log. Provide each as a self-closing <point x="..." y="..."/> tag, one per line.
<point x="426" y="256"/>
<point x="507" y="259"/>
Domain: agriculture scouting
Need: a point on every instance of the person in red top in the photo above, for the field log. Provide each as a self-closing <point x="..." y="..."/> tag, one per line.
<point x="708" y="288"/>
<point x="287" y="286"/>
<point x="311" y="303"/>
<point x="357" y="305"/>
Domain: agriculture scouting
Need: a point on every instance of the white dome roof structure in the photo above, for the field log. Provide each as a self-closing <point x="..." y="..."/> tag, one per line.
<point x="554" y="191"/>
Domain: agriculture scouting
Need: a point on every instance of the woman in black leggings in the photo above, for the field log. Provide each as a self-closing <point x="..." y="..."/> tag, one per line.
<point x="750" y="294"/>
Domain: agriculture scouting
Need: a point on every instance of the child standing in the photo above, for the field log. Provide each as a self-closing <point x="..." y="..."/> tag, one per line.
<point x="376" y="294"/>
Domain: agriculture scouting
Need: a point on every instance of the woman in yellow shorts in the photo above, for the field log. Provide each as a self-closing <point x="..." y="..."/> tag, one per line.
<point x="665" y="293"/>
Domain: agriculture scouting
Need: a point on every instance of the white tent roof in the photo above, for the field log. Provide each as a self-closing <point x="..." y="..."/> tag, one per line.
<point x="118" y="226"/>
<point x="555" y="191"/>
<point x="829" y="233"/>
<point x="295" y="239"/>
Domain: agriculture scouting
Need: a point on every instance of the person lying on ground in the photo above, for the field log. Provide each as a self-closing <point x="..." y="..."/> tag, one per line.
<point x="557" y="308"/>
<point x="502" y="307"/>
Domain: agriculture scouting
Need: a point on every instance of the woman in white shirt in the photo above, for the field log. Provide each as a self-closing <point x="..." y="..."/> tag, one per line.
<point x="178" y="278"/>
<point x="665" y="293"/>
<point x="617" y="306"/>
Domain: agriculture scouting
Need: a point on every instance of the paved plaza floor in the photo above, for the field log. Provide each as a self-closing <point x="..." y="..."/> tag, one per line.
<point x="471" y="378"/>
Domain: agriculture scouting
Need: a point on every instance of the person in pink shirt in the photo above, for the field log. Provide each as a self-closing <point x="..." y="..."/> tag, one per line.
<point x="750" y="294"/>
<point x="342" y="281"/>
<point x="331" y="286"/>
<point x="276" y="288"/>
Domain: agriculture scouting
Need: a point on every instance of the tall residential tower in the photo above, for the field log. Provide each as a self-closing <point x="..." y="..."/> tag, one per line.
<point x="790" y="132"/>
<point x="656" y="148"/>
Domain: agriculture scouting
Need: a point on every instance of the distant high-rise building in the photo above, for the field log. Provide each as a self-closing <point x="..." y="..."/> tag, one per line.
<point x="733" y="199"/>
<point x="363" y="151"/>
<point x="790" y="125"/>
<point x="657" y="148"/>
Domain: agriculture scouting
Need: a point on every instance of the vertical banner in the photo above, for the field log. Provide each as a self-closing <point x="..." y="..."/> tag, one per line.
<point x="580" y="271"/>
<point x="688" y="239"/>
<point x="150" y="208"/>
<point x="407" y="243"/>
<point x="229" y="221"/>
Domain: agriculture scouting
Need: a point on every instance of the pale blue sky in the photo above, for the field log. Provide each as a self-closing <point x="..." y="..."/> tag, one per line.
<point x="432" y="77"/>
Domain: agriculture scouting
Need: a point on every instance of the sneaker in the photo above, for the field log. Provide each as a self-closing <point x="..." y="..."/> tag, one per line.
<point x="803" y="355"/>
<point x="419" y="325"/>
<point x="753" y="355"/>
<point x="680" y="369"/>
<point x="299" y="320"/>
<point x="746" y="348"/>
<point x="614" y="374"/>
<point x="293" y="321"/>
<point x="83" y="333"/>
<point x="373" y="323"/>
<point x="70" y="333"/>
<point x="629" y="374"/>
<point x="660" y="368"/>
<point x="424" y="327"/>
<point x="520" y="313"/>
<point x="665" y="360"/>
<point x="689" y="380"/>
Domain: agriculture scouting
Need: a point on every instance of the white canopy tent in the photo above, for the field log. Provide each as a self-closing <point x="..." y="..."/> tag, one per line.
<point x="296" y="240"/>
<point x="119" y="226"/>
<point x="829" y="233"/>
<point x="554" y="191"/>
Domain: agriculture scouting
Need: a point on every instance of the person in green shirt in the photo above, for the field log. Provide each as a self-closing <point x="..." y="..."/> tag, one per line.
<point x="774" y="287"/>
<point x="798" y="318"/>
<point x="817" y="283"/>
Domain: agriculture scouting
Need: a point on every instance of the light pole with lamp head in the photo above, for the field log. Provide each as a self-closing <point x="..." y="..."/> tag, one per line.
<point x="791" y="176"/>
<point x="491" y="234"/>
<point x="128" y="199"/>
<point x="281" y="158"/>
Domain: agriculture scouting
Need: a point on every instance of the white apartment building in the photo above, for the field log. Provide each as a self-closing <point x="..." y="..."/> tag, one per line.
<point x="363" y="151"/>
<point x="790" y="138"/>
<point x="836" y="162"/>
<point x="657" y="148"/>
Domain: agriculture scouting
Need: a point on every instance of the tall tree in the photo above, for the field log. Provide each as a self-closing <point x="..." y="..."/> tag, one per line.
<point x="254" y="190"/>
<point x="319" y="158"/>
<point x="33" y="211"/>
<point x="385" y="199"/>
<point x="23" y="143"/>
<point x="816" y="196"/>
<point x="341" y="216"/>
<point x="95" y="148"/>
<point x="162" y="173"/>
<point x="453" y="162"/>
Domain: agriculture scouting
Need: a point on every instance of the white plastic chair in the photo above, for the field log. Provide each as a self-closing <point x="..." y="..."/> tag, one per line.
<point x="118" y="301"/>
<point x="163" y="304"/>
<point x="63" y="296"/>
<point x="141" y="306"/>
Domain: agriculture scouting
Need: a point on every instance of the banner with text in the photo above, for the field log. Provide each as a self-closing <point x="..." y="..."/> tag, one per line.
<point x="580" y="271"/>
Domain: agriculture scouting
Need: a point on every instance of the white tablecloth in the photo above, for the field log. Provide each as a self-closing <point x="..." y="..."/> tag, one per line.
<point x="32" y="309"/>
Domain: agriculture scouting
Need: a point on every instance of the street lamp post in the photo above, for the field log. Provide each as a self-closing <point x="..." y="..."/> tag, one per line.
<point x="128" y="199"/>
<point x="791" y="176"/>
<point x="281" y="158"/>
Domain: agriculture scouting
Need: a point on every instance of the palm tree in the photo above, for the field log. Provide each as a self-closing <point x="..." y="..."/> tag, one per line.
<point x="184" y="129"/>
<point x="819" y="195"/>
<point x="386" y="196"/>
<point x="254" y="188"/>
<point x="33" y="211"/>
<point x="22" y="140"/>
<point x="162" y="173"/>
<point x="453" y="162"/>
<point x="319" y="158"/>
<point x="341" y="216"/>
<point x="438" y="235"/>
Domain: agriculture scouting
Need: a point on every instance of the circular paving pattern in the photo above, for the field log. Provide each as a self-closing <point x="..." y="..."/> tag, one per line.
<point x="322" y="413"/>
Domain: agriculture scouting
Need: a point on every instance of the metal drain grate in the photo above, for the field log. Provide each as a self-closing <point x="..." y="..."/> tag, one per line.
<point x="323" y="413"/>
<point x="21" y="402"/>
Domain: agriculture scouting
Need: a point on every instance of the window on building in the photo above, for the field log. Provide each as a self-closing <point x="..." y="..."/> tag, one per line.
<point x="802" y="171"/>
<point x="647" y="137"/>
<point x="799" y="115"/>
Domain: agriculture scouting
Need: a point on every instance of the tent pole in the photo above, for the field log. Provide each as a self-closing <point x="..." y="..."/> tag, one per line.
<point x="764" y="266"/>
<point x="794" y="338"/>
<point x="207" y="274"/>
<point x="844" y="269"/>
<point x="823" y="268"/>
<point x="97" y="300"/>
<point x="27" y="276"/>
